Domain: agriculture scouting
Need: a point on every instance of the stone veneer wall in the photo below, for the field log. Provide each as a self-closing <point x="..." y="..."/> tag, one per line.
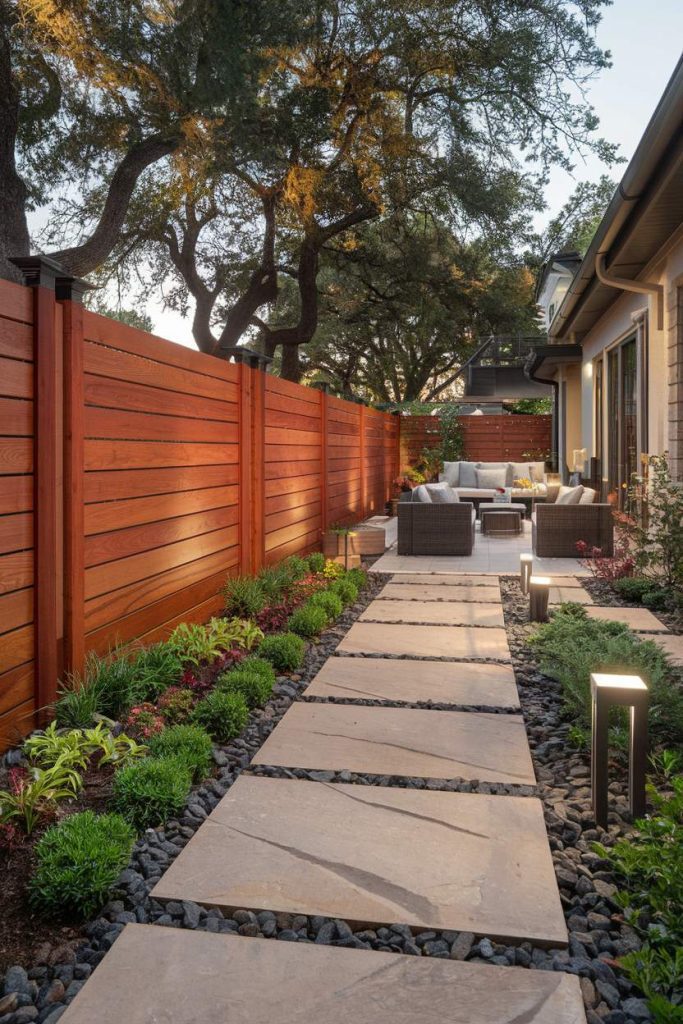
<point x="675" y="363"/>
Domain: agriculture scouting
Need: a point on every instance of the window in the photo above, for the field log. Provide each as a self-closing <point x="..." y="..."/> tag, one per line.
<point x="598" y="415"/>
<point x="623" y="419"/>
<point x="613" y="420"/>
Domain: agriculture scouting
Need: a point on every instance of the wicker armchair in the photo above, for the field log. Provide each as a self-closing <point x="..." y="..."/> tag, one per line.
<point x="431" y="529"/>
<point x="555" y="529"/>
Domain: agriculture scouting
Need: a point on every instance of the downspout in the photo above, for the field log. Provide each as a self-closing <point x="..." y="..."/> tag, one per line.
<point x="555" y="426"/>
<point x="623" y="283"/>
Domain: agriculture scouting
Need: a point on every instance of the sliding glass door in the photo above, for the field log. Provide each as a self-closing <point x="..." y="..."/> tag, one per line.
<point x="623" y="431"/>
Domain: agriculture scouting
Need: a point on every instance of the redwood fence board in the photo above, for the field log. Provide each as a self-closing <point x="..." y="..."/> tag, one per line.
<point x="507" y="438"/>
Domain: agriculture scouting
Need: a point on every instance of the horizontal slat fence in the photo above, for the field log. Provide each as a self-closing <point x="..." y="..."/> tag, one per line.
<point x="154" y="472"/>
<point x="507" y="438"/>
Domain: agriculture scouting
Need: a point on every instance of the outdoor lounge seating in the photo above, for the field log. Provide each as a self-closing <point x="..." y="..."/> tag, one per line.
<point x="435" y="529"/>
<point x="556" y="529"/>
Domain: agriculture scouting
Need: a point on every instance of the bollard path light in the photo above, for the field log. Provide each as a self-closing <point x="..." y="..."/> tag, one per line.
<point x="609" y="691"/>
<point x="525" y="567"/>
<point x="539" y="595"/>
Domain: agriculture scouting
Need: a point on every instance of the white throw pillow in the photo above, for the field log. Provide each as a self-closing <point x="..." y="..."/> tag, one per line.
<point x="588" y="496"/>
<point x="422" y="494"/>
<point x="537" y="472"/>
<point x="468" y="474"/>
<point x="451" y="473"/>
<point x="442" y="494"/>
<point x="520" y="470"/>
<point x="488" y="478"/>
<point x="569" y="495"/>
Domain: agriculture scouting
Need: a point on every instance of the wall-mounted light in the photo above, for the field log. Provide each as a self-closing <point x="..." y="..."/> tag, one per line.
<point x="539" y="595"/>
<point x="609" y="691"/>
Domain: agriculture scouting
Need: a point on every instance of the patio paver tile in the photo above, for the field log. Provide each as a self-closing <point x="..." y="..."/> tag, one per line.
<point x="673" y="645"/>
<point x="558" y="595"/>
<point x="200" y="976"/>
<point x="401" y="741"/>
<point x="635" y="618"/>
<point x="440" y="578"/>
<point x="449" y="613"/>
<point x="451" y="642"/>
<point x="441" y="682"/>
<point x="425" y="592"/>
<point x="371" y="854"/>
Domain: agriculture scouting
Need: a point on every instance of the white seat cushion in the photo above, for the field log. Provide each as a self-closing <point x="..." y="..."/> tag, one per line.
<point x="467" y="493"/>
<point x="569" y="495"/>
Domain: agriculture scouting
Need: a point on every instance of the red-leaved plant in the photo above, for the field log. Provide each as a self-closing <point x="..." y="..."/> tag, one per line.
<point x="607" y="568"/>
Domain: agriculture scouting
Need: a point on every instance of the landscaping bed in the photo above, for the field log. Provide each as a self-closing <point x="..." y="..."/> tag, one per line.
<point x="42" y="941"/>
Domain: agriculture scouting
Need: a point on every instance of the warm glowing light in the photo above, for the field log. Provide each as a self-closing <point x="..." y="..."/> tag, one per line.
<point x="604" y="681"/>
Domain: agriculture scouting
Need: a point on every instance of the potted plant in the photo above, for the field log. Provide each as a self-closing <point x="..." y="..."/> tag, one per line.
<point x="406" y="480"/>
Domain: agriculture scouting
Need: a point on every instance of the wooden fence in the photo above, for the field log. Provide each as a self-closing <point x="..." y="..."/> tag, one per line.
<point x="486" y="438"/>
<point x="153" y="471"/>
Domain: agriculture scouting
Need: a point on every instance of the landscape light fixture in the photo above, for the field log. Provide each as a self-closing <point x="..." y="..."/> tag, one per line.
<point x="347" y="534"/>
<point x="539" y="595"/>
<point x="607" y="691"/>
<point x="526" y="563"/>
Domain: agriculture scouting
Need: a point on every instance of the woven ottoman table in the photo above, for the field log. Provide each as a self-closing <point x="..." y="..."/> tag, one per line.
<point x="501" y="518"/>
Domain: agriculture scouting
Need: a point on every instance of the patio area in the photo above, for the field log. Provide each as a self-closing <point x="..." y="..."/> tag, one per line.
<point x="492" y="555"/>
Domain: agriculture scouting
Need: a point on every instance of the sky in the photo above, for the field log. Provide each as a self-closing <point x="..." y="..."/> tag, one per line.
<point x="645" y="41"/>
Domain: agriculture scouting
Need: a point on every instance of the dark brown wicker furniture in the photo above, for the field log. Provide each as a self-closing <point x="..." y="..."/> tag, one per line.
<point x="431" y="529"/>
<point x="500" y="521"/>
<point x="557" y="528"/>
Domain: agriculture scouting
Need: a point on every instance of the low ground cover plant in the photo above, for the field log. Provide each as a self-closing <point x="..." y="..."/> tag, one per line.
<point x="571" y="646"/>
<point x="285" y="651"/>
<point x="78" y="861"/>
<point x="308" y="621"/>
<point x="253" y="685"/>
<point x="151" y="791"/>
<point x="650" y="866"/>
<point x="33" y="793"/>
<point x="190" y="743"/>
<point x="222" y="714"/>
<point x="330" y="603"/>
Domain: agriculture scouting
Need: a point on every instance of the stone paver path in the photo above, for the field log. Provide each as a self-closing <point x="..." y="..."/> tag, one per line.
<point x="454" y="642"/>
<point x="164" y="975"/>
<point x="371" y="854"/>
<point x="401" y="741"/>
<point x="442" y="682"/>
<point x="451" y="613"/>
<point x="427" y="592"/>
<point x="558" y="595"/>
<point x="673" y="645"/>
<point x="639" y="619"/>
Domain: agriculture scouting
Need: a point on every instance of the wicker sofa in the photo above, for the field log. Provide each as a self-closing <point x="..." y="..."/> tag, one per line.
<point x="427" y="529"/>
<point x="555" y="529"/>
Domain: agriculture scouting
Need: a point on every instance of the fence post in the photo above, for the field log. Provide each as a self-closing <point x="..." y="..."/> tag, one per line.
<point x="245" y="462"/>
<point x="363" y="474"/>
<point x="40" y="274"/>
<point x="69" y="292"/>
<point x="259" y="365"/>
<point x="324" y="390"/>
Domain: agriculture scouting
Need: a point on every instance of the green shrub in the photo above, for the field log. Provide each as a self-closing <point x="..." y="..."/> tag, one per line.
<point x="316" y="561"/>
<point x="659" y="599"/>
<point x="244" y="596"/>
<point x="192" y="644"/>
<point x="633" y="588"/>
<point x="345" y="589"/>
<point x="358" y="576"/>
<point x="251" y="685"/>
<point x="78" y="861"/>
<point x="295" y="568"/>
<point x="222" y="714"/>
<point x="330" y="603"/>
<point x="259" y="666"/>
<point x="154" y="670"/>
<point x="176" y="705"/>
<point x="106" y="687"/>
<point x="308" y="620"/>
<point x="190" y="744"/>
<point x="151" y="791"/>
<point x="285" y="651"/>
<point x="571" y="646"/>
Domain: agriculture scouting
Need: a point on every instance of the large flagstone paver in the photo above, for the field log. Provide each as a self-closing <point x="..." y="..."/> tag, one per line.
<point x="446" y="579"/>
<point x="401" y="741"/>
<point x="425" y="592"/>
<point x="441" y="682"/>
<point x="558" y="595"/>
<point x="371" y="855"/>
<point x="635" y="618"/>
<point x="448" y="613"/>
<point x="673" y="645"/>
<point x="177" y="976"/>
<point x="462" y="642"/>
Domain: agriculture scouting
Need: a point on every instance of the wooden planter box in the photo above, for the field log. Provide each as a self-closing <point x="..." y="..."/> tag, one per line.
<point x="368" y="539"/>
